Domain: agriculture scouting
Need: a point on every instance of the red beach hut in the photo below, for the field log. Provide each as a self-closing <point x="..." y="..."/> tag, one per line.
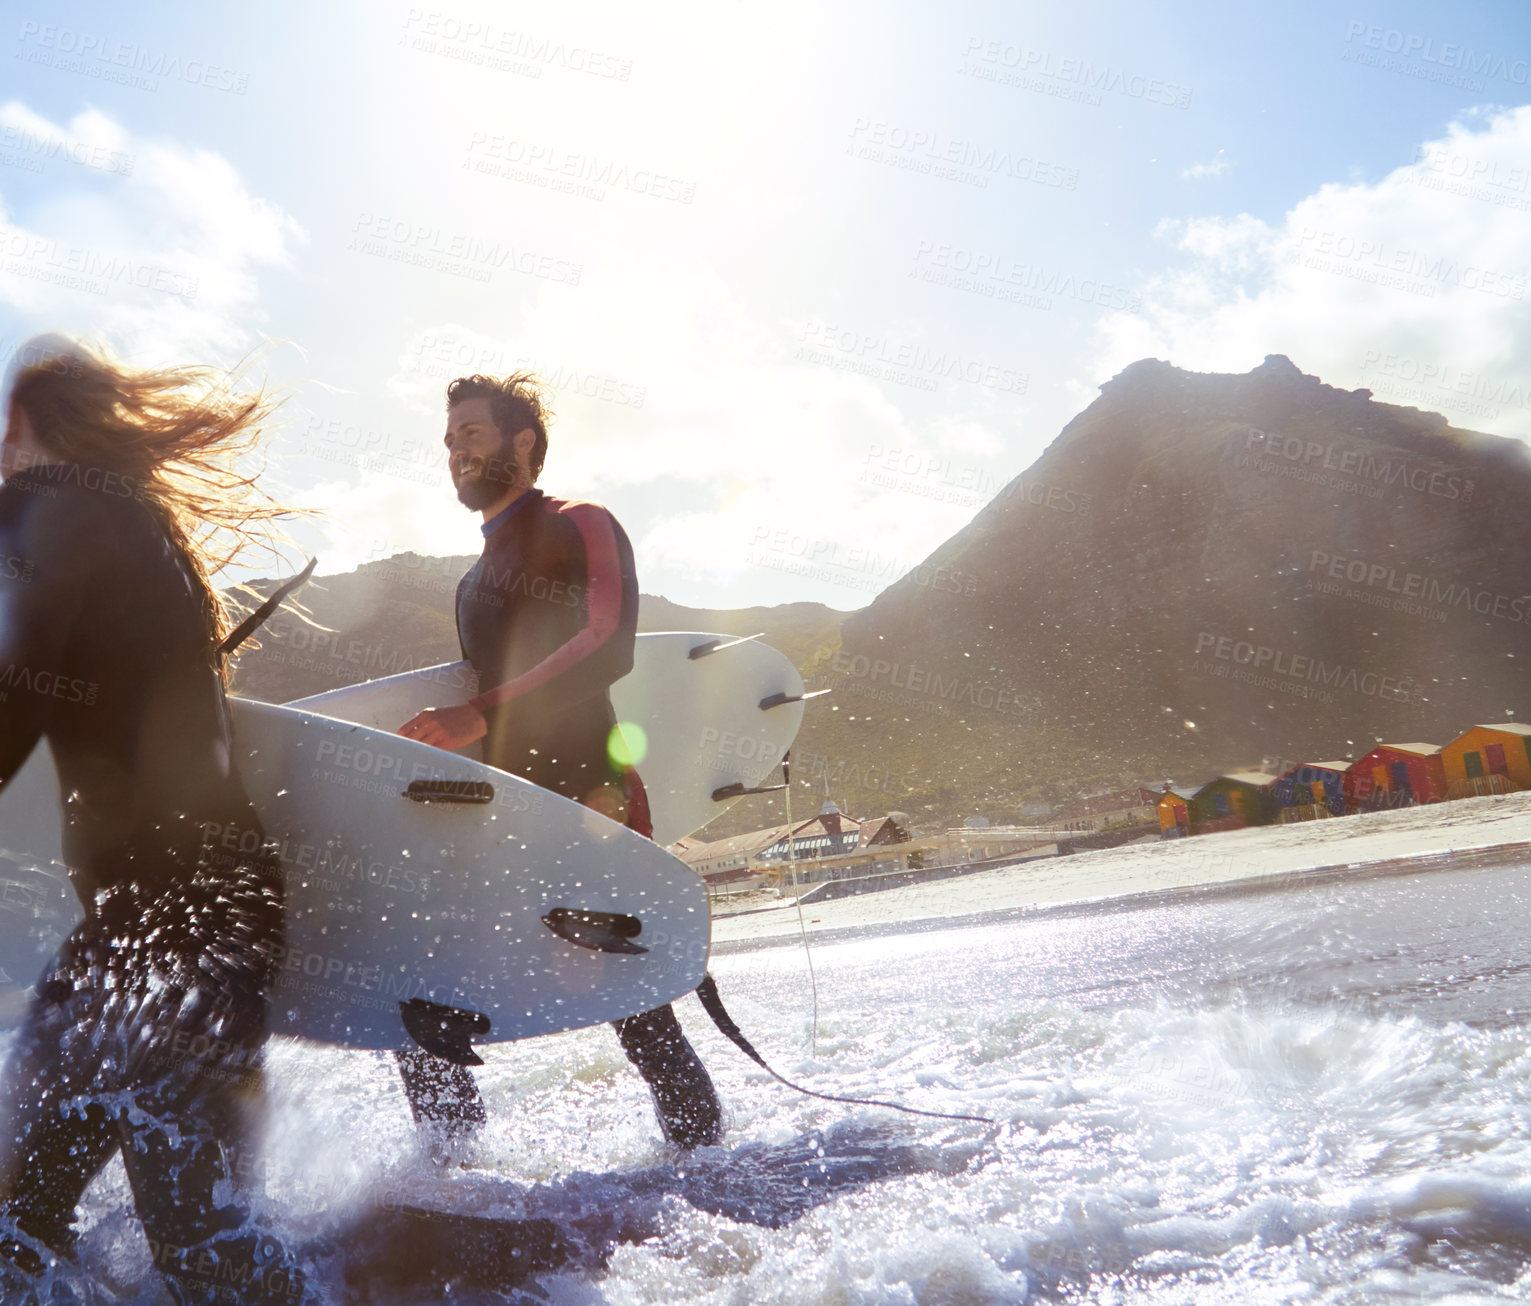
<point x="1395" y="775"/>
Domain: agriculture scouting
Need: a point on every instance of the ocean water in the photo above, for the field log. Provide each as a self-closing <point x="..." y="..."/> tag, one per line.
<point x="1319" y="1094"/>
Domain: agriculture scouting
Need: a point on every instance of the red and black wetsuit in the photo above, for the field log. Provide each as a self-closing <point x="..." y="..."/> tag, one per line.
<point x="547" y="617"/>
<point x="145" y="1031"/>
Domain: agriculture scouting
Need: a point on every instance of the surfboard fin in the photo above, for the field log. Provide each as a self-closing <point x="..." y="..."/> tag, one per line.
<point x="444" y="1031"/>
<point x="600" y="931"/>
<point x="739" y="790"/>
<point x="779" y="699"/>
<point x="450" y="791"/>
<point x="258" y="618"/>
<point x="717" y="645"/>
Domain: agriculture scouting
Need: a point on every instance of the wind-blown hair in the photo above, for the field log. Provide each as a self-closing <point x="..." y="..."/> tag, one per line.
<point x="516" y="402"/>
<point x="175" y="438"/>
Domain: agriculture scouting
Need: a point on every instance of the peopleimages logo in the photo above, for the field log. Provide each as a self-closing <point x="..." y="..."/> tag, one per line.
<point x="1085" y="73"/>
<point x="949" y="157"/>
<point x="991" y="273"/>
<point x="542" y="163"/>
<point x="1306" y="676"/>
<point x="1445" y="54"/>
<point x="1474" y="168"/>
<point x="495" y="47"/>
<point x="442" y="250"/>
<point x="879" y="673"/>
<point x="1413" y="586"/>
<point x="1450" y="379"/>
<point x="109" y="59"/>
<point x="92" y="266"/>
<point x="855" y="566"/>
<point x="935" y="476"/>
<point x="1367" y="259"/>
<point x="446" y="357"/>
<point x="878" y="356"/>
<point x="1315" y="458"/>
<point x="53" y="145"/>
<point x="46" y="684"/>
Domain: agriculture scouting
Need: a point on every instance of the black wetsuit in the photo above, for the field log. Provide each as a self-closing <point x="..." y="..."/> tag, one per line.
<point x="145" y="1031"/>
<point x="547" y="617"/>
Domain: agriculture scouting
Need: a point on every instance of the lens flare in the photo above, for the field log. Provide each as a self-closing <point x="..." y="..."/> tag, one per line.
<point x="627" y="744"/>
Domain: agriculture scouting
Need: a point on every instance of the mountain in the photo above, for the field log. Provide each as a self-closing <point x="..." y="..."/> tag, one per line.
<point x="1199" y="571"/>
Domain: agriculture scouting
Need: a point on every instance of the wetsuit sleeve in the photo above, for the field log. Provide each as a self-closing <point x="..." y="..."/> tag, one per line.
<point x="42" y="574"/>
<point x="601" y="652"/>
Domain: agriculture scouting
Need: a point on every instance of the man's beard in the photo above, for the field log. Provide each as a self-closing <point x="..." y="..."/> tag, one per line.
<point x="484" y="483"/>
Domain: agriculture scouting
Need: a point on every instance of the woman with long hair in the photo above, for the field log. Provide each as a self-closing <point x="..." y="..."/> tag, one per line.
<point x="124" y="491"/>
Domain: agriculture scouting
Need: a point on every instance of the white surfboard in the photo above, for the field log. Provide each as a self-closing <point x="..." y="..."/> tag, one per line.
<point x="714" y="714"/>
<point x="519" y="910"/>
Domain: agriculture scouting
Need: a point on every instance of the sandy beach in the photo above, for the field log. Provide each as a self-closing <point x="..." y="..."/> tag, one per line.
<point x="1413" y="838"/>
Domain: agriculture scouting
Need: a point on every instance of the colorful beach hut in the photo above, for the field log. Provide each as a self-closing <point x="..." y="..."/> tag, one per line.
<point x="1174" y="811"/>
<point x="1488" y="760"/>
<point x="1233" y="801"/>
<point x="1395" y="775"/>
<point x="1311" y="791"/>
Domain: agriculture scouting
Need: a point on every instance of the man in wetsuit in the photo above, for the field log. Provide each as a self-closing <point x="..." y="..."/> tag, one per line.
<point x="547" y="617"/>
<point x="107" y="643"/>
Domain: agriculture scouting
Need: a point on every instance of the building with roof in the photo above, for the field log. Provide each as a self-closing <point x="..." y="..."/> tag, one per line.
<point x="824" y="835"/>
<point x="1174" y="812"/>
<point x="724" y="864"/>
<point x="1395" y="775"/>
<point x="833" y="846"/>
<point x="1233" y="801"/>
<point x="990" y="845"/>
<point x="886" y="831"/>
<point x="1311" y="791"/>
<point x="1103" y="811"/>
<point x="1488" y="760"/>
<point x="748" y="861"/>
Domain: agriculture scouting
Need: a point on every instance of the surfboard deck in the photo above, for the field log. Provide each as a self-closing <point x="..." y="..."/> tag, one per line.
<point x="419" y="884"/>
<point x="700" y="714"/>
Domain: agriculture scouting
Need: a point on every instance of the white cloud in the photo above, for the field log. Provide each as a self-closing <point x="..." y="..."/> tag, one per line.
<point x="1417" y="286"/>
<point x="1213" y="168"/>
<point x="378" y="514"/>
<point x="151" y="246"/>
<point x="91" y="140"/>
<point x="764" y="469"/>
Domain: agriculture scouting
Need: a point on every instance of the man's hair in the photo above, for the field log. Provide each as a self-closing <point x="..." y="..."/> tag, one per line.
<point x="516" y="402"/>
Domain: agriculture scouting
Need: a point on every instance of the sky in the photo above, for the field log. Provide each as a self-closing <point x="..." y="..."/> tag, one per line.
<point x="808" y="283"/>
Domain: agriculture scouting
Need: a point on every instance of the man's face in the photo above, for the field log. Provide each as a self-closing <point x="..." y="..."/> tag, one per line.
<point x="480" y="459"/>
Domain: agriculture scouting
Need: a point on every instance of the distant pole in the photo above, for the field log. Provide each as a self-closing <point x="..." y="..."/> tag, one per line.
<point x="786" y="775"/>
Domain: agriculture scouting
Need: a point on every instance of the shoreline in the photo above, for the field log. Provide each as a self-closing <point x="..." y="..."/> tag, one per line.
<point x="1484" y="832"/>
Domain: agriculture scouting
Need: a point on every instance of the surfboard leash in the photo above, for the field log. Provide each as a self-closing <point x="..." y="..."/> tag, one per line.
<point x="712" y="1004"/>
